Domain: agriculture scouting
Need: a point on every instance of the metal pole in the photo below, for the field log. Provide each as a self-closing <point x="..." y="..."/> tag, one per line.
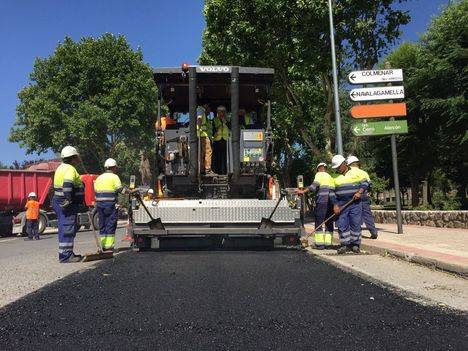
<point x="193" y="138"/>
<point x="235" y="121"/>
<point x="396" y="180"/>
<point x="339" y="140"/>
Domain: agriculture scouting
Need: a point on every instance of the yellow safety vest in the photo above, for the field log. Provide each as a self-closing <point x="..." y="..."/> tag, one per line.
<point x="107" y="186"/>
<point x="206" y="128"/>
<point x="346" y="185"/>
<point x="222" y="130"/>
<point x="68" y="184"/>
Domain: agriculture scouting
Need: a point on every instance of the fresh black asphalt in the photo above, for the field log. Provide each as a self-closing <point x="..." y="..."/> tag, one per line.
<point x="223" y="300"/>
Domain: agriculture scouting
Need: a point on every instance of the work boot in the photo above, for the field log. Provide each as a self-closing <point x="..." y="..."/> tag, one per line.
<point x="356" y="249"/>
<point x="319" y="247"/>
<point x="73" y="259"/>
<point x="374" y="235"/>
<point x="210" y="173"/>
<point x="342" y="250"/>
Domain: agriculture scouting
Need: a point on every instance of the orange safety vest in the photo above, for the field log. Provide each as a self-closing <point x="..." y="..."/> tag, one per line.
<point x="32" y="209"/>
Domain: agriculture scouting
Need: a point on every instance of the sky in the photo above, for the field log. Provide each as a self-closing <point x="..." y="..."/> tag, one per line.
<point x="169" y="33"/>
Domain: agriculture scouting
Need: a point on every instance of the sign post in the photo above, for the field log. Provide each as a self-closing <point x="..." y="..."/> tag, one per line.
<point x="392" y="126"/>
<point x="396" y="180"/>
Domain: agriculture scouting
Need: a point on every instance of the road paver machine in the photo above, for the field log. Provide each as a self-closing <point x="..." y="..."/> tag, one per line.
<point x="244" y="206"/>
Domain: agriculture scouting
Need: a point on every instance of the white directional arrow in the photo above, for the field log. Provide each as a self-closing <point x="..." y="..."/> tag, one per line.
<point x="376" y="76"/>
<point x="380" y="93"/>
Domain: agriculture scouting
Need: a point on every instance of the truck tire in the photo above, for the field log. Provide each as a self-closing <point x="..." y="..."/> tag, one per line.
<point x="95" y="220"/>
<point x="42" y="223"/>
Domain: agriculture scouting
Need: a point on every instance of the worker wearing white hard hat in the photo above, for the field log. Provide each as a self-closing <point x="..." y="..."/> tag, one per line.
<point x="346" y="199"/>
<point x="149" y="195"/>
<point x="107" y="187"/>
<point x="351" y="159"/>
<point x="68" y="198"/>
<point x="32" y="217"/>
<point x="322" y="185"/>
<point x="367" y="216"/>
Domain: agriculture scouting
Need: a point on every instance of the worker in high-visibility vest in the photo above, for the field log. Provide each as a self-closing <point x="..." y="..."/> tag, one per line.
<point x="322" y="185"/>
<point x="367" y="217"/>
<point x="247" y="119"/>
<point x="220" y="138"/>
<point x="107" y="187"/>
<point x="205" y="132"/>
<point x="346" y="199"/>
<point x="68" y="197"/>
<point x="149" y="195"/>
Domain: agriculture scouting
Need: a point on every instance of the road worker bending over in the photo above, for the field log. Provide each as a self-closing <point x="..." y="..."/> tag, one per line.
<point x="68" y="197"/>
<point x="367" y="217"/>
<point x="350" y="184"/>
<point x="107" y="186"/>
<point x="322" y="185"/>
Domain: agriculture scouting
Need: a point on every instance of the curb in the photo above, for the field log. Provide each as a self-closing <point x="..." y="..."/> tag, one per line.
<point x="424" y="261"/>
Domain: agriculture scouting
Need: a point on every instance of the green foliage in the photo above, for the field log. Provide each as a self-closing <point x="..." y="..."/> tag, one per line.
<point x="436" y="79"/>
<point x="293" y="38"/>
<point x="95" y="94"/>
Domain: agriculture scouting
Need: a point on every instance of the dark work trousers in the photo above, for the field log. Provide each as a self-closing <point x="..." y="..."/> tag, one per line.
<point x="32" y="228"/>
<point x="349" y="223"/>
<point x="67" y="228"/>
<point x="367" y="217"/>
<point x="321" y="213"/>
<point x="220" y="157"/>
<point x="107" y="213"/>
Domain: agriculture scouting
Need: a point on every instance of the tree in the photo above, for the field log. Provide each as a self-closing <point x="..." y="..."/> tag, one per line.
<point x="96" y="94"/>
<point x="293" y="38"/>
<point x="436" y="82"/>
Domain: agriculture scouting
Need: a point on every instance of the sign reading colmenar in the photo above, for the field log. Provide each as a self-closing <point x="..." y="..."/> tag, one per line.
<point x="376" y="76"/>
<point x="380" y="93"/>
<point x="380" y="128"/>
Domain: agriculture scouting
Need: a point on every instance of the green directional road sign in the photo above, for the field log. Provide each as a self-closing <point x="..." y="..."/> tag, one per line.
<point x="380" y="128"/>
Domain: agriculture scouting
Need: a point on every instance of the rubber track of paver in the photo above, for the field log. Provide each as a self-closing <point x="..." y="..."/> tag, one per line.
<point x="279" y="300"/>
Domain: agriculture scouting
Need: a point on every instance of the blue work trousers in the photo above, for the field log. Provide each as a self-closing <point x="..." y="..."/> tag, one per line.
<point x="107" y="213"/>
<point x="321" y="213"/>
<point x="32" y="228"/>
<point x="349" y="224"/>
<point x="67" y="228"/>
<point x="367" y="217"/>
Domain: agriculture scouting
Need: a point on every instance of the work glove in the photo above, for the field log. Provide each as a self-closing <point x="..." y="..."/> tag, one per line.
<point x="357" y="196"/>
<point x="336" y="210"/>
<point x="65" y="204"/>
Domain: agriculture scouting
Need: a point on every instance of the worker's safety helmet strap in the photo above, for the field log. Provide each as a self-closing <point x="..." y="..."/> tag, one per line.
<point x="337" y="161"/>
<point x="32" y="194"/>
<point x="110" y="162"/>
<point x="68" y="151"/>
<point x="351" y="159"/>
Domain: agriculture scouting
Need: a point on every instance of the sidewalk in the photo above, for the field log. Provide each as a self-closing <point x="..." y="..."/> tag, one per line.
<point x="443" y="248"/>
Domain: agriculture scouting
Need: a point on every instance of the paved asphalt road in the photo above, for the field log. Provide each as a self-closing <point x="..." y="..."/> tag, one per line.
<point x="279" y="300"/>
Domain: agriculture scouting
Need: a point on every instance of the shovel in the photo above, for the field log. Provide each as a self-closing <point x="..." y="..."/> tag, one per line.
<point x="305" y="240"/>
<point x="99" y="255"/>
<point x="154" y="223"/>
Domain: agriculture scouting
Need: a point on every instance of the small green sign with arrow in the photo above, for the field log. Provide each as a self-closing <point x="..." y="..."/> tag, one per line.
<point x="380" y="128"/>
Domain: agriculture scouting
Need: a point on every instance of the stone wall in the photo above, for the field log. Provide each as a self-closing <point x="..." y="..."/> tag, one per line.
<point x="446" y="219"/>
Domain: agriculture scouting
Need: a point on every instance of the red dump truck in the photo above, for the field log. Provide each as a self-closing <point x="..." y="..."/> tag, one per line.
<point x="15" y="185"/>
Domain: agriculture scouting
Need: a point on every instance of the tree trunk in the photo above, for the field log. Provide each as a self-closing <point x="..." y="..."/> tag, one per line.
<point x="414" y="192"/>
